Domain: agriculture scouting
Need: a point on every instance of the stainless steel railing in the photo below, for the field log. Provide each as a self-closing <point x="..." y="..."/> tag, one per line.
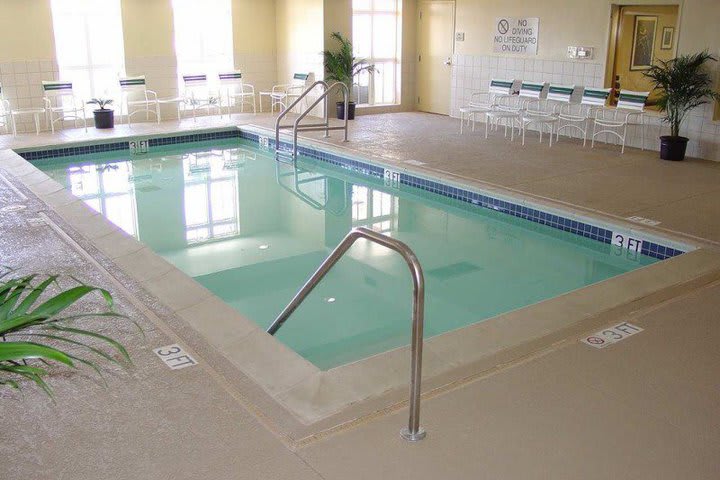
<point x="413" y="432"/>
<point x="325" y="125"/>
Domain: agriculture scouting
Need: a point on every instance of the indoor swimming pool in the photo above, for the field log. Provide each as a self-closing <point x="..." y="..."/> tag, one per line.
<point x="252" y="230"/>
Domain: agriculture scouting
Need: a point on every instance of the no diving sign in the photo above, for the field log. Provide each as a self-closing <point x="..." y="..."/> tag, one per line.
<point x="611" y="335"/>
<point x="516" y="35"/>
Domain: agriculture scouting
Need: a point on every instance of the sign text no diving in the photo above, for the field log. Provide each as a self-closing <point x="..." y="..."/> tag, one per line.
<point x="516" y="35"/>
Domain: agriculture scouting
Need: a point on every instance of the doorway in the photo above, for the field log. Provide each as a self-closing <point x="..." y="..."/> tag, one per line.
<point x="436" y="29"/>
<point x="640" y="35"/>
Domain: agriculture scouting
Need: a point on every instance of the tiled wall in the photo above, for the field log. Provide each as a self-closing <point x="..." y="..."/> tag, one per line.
<point x="21" y="86"/>
<point x="473" y="73"/>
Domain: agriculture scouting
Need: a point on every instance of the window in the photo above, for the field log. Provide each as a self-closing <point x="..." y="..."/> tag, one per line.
<point x="211" y="196"/>
<point x="89" y="45"/>
<point x="203" y="37"/>
<point x="374" y="209"/>
<point x="376" y="37"/>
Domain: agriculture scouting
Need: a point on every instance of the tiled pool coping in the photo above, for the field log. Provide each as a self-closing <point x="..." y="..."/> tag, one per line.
<point x="659" y="248"/>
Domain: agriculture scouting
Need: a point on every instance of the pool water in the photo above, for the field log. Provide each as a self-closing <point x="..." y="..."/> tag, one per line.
<point x="252" y="230"/>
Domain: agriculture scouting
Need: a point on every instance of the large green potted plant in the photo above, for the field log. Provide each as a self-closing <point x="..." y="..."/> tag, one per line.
<point x="39" y="327"/>
<point x="104" y="117"/>
<point x="342" y="66"/>
<point x="683" y="83"/>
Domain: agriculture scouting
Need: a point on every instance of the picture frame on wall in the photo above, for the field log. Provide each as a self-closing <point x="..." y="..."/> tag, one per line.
<point x="666" y="41"/>
<point x="643" y="44"/>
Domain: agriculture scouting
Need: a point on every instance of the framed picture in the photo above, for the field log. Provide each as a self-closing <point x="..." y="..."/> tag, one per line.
<point x="666" y="42"/>
<point x="643" y="42"/>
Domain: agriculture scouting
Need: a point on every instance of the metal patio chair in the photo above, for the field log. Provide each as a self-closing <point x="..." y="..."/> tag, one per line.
<point x="630" y="111"/>
<point x="62" y="104"/>
<point x="136" y="98"/>
<point x="577" y="116"/>
<point x="483" y="102"/>
<point x="236" y="91"/>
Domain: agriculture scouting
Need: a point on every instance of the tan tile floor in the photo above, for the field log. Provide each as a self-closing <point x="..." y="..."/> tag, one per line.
<point x="643" y="408"/>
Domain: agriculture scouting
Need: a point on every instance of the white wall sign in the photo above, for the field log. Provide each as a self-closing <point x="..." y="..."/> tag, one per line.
<point x="516" y="35"/>
<point x="175" y="357"/>
<point x="611" y="335"/>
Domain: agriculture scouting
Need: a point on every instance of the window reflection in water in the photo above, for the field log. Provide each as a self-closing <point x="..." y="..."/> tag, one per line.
<point x="374" y="209"/>
<point x="211" y="194"/>
<point x="108" y="189"/>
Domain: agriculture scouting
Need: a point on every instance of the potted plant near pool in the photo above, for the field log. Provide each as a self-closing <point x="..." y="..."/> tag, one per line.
<point x="342" y="66"/>
<point x="684" y="83"/>
<point x="104" y="117"/>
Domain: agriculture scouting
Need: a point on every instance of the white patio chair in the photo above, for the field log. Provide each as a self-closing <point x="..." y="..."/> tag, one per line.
<point x="509" y="109"/>
<point x="576" y="116"/>
<point x="236" y="91"/>
<point x="538" y="111"/>
<point x="198" y="96"/>
<point x="62" y="104"/>
<point x="483" y="102"/>
<point x="136" y="98"/>
<point x="283" y="95"/>
<point x="630" y="110"/>
<point x="6" y="118"/>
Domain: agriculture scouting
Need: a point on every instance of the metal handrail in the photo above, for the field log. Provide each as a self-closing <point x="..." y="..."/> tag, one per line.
<point x="289" y="108"/>
<point x="325" y="125"/>
<point x="413" y="432"/>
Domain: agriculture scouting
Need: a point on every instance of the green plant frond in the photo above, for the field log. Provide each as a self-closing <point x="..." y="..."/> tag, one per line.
<point x="114" y="343"/>
<point x="32" y="297"/>
<point x="13" y="351"/>
<point x="20" y="316"/>
<point x="59" y="338"/>
<point x="31" y="373"/>
<point x="341" y="65"/>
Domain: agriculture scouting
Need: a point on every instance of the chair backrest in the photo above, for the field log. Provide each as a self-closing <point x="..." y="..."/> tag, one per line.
<point x="230" y="78"/>
<point x="560" y="93"/>
<point x="301" y="79"/>
<point x="57" y="88"/>
<point x="132" y="84"/>
<point x="499" y="86"/>
<point x="629" y="100"/>
<point x="532" y="89"/>
<point x="192" y="81"/>
<point x="595" y="97"/>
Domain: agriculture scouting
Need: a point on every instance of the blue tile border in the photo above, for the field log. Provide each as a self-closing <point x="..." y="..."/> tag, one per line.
<point x="31" y="155"/>
<point x="576" y="227"/>
<point x="71" y="151"/>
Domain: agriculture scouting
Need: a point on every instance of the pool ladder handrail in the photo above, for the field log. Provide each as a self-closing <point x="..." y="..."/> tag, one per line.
<point x="413" y="432"/>
<point x="325" y="125"/>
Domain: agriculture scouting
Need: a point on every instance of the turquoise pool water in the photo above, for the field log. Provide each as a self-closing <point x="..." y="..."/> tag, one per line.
<point x="252" y="230"/>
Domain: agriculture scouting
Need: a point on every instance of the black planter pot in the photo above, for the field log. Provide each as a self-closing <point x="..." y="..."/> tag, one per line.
<point x="340" y="106"/>
<point x="104" y="118"/>
<point x="672" y="148"/>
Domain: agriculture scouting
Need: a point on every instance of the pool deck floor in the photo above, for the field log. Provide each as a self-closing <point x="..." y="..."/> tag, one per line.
<point x="646" y="407"/>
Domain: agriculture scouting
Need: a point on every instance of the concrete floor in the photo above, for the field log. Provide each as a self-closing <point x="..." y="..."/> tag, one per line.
<point x="646" y="407"/>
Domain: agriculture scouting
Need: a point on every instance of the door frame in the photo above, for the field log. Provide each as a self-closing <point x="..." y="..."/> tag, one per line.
<point x="420" y="4"/>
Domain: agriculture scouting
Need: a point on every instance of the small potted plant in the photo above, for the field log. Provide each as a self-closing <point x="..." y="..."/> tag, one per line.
<point x="684" y="83"/>
<point x="104" y="117"/>
<point x="342" y="66"/>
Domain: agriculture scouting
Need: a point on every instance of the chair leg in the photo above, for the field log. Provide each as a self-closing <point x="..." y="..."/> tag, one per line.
<point x="622" y="150"/>
<point x="462" y="121"/>
<point x="592" y="142"/>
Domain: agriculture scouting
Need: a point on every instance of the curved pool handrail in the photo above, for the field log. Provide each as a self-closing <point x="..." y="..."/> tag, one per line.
<point x="413" y="432"/>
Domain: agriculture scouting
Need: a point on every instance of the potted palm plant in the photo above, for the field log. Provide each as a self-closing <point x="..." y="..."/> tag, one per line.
<point x="342" y="66"/>
<point x="104" y="117"/>
<point x="684" y="83"/>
